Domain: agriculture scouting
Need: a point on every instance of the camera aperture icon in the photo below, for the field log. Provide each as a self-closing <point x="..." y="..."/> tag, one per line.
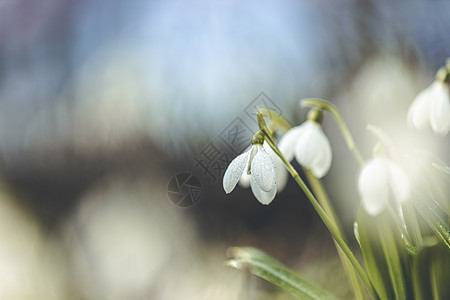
<point x="184" y="190"/>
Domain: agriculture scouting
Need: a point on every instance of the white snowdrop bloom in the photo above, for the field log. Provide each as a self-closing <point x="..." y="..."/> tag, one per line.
<point x="258" y="164"/>
<point x="380" y="180"/>
<point x="431" y="107"/>
<point x="282" y="173"/>
<point x="310" y="146"/>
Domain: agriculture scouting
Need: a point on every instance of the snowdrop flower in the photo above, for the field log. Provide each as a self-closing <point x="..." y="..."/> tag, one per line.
<point x="431" y="108"/>
<point x="282" y="174"/>
<point x="308" y="143"/>
<point x="381" y="180"/>
<point x="258" y="164"/>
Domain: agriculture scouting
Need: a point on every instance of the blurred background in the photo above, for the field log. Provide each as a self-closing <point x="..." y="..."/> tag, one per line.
<point x="104" y="105"/>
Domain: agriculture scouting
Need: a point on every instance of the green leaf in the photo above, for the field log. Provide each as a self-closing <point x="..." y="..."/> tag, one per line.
<point x="264" y="266"/>
<point x="384" y="255"/>
<point x="435" y="217"/>
<point x="356" y="233"/>
<point x="431" y="272"/>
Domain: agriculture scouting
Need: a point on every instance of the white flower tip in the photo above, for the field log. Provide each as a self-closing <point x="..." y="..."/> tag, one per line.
<point x="227" y="186"/>
<point x="263" y="197"/>
<point x="372" y="206"/>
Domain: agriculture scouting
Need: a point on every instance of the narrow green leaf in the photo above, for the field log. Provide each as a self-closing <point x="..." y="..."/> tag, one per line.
<point x="413" y="227"/>
<point x="431" y="272"/>
<point x="384" y="255"/>
<point x="392" y="255"/>
<point x="435" y="217"/>
<point x="264" y="266"/>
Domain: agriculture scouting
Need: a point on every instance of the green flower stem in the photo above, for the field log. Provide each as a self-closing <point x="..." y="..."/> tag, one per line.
<point x="328" y="223"/>
<point x="322" y="197"/>
<point x="325" y="105"/>
<point x="324" y="201"/>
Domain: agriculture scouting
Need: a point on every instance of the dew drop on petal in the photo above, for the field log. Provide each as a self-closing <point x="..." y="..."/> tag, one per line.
<point x="280" y="168"/>
<point x="263" y="170"/>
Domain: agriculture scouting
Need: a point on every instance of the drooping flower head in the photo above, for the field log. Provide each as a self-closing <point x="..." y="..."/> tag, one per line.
<point x="308" y="143"/>
<point x="258" y="164"/>
<point x="380" y="181"/>
<point x="282" y="174"/>
<point x="431" y="107"/>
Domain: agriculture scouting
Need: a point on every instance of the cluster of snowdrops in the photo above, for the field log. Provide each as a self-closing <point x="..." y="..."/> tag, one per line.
<point x="402" y="225"/>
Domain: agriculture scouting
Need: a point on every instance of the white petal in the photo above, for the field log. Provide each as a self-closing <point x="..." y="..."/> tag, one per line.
<point x="262" y="196"/>
<point x="322" y="164"/>
<point x="305" y="151"/>
<point x="235" y="171"/>
<point x="280" y="168"/>
<point x="373" y="186"/>
<point x="399" y="182"/>
<point x="288" y="141"/>
<point x="282" y="174"/>
<point x="419" y="111"/>
<point x="313" y="149"/>
<point x="440" y="109"/>
<point x="263" y="170"/>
